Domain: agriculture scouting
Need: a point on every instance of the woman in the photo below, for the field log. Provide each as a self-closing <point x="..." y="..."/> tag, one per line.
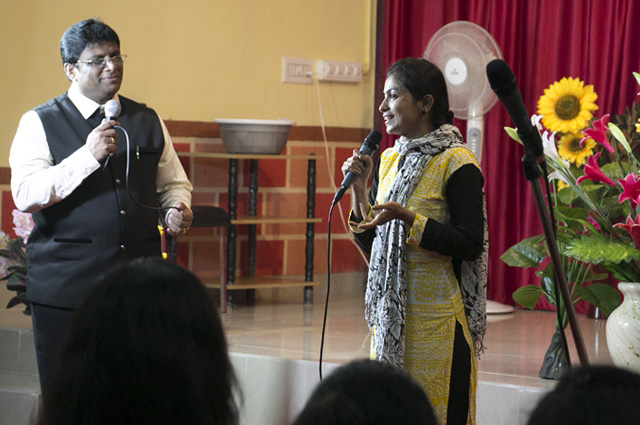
<point x="425" y="227"/>
<point x="146" y="347"/>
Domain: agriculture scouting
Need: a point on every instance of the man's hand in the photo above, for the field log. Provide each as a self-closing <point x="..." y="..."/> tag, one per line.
<point x="102" y="141"/>
<point x="179" y="220"/>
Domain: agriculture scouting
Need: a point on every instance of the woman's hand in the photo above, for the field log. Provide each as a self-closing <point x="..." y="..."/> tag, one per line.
<point x="361" y="166"/>
<point x="383" y="213"/>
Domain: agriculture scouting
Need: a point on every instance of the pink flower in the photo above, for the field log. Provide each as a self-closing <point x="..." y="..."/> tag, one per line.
<point x="598" y="133"/>
<point x="593" y="172"/>
<point x="633" y="227"/>
<point x="23" y="223"/>
<point x="593" y="222"/>
<point x="630" y="190"/>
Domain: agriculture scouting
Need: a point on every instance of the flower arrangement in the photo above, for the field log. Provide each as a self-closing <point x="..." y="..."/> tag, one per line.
<point x="595" y="197"/>
<point x="13" y="264"/>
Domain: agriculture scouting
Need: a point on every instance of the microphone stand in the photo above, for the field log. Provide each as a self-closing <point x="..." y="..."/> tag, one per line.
<point x="532" y="173"/>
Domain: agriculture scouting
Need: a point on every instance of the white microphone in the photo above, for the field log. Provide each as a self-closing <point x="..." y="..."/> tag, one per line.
<point x="111" y="109"/>
<point x="111" y="112"/>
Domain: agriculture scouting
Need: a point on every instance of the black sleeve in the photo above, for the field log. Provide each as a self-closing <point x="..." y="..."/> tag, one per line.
<point x="463" y="237"/>
<point x="365" y="239"/>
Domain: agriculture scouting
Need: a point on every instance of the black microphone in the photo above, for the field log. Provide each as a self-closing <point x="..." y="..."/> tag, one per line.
<point x="503" y="83"/>
<point x="369" y="146"/>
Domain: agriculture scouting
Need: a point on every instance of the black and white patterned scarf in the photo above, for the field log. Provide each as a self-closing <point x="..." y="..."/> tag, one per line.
<point x="386" y="295"/>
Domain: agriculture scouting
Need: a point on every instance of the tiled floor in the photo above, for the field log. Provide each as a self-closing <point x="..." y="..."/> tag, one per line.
<point x="279" y="325"/>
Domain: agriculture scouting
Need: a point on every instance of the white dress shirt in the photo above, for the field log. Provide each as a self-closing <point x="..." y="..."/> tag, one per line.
<point x="37" y="183"/>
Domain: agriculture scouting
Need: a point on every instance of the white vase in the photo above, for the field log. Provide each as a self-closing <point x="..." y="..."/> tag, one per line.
<point x="623" y="328"/>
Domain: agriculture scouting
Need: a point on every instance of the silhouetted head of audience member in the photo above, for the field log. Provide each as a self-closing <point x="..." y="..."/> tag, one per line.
<point x="367" y="392"/>
<point x="591" y="395"/>
<point x="146" y="347"/>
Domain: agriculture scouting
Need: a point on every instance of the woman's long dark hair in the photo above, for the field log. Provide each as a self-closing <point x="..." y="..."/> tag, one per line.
<point x="146" y="347"/>
<point x="422" y="78"/>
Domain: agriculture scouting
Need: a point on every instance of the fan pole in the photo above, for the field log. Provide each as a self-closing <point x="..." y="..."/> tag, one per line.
<point x="475" y="128"/>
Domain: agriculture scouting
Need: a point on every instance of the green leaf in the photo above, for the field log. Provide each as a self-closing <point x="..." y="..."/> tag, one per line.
<point x="513" y="134"/>
<point x="573" y="216"/>
<point x="567" y="195"/>
<point x="596" y="248"/>
<point x="620" y="137"/>
<point x="14" y="302"/>
<point x="528" y="252"/>
<point x="637" y="76"/>
<point x="15" y="284"/>
<point x="6" y="253"/>
<point x="612" y="170"/>
<point x="601" y="295"/>
<point x="527" y="296"/>
<point x="546" y="284"/>
<point x="591" y="276"/>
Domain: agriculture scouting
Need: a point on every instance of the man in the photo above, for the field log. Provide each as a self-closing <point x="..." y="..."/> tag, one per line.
<point x="92" y="202"/>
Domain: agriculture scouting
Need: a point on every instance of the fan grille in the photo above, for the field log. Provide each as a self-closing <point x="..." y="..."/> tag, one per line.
<point x="462" y="51"/>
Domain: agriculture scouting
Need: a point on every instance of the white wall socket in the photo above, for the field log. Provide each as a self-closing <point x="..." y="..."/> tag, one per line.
<point x="348" y="72"/>
<point x="297" y="70"/>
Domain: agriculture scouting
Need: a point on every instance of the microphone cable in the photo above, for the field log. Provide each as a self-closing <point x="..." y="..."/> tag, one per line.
<point x="127" y="168"/>
<point x="326" y="301"/>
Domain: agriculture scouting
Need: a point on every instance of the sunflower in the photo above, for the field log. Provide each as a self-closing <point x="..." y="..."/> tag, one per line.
<point x="567" y="105"/>
<point x="569" y="148"/>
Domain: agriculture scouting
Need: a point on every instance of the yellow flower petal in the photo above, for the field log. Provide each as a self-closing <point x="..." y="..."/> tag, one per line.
<point x="569" y="148"/>
<point x="566" y="105"/>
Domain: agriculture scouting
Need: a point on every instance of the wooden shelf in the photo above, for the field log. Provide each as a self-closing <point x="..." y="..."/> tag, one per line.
<point x="253" y="219"/>
<point x="260" y="282"/>
<point x="263" y="219"/>
<point x="222" y="155"/>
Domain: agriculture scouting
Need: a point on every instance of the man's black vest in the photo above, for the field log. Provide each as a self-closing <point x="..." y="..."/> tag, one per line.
<point x="98" y="226"/>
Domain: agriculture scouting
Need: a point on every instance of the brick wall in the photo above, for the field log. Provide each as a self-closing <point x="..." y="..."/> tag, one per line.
<point x="282" y="191"/>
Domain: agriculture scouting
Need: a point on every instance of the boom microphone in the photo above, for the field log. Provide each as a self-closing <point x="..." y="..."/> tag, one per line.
<point x="369" y="146"/>
<point x="503" y="83"/>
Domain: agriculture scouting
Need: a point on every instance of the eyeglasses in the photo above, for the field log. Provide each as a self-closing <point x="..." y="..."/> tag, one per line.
<point x="102" y="62"/>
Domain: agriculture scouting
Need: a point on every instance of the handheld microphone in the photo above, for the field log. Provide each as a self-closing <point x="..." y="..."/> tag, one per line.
<point x="503" y="83"/>
<point x="111" y="112"/>
<point x="111" y="109"/>
<point x="369" y="146"/>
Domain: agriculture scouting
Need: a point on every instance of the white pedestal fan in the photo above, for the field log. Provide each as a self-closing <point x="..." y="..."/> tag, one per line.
<point x="462" y="50"/>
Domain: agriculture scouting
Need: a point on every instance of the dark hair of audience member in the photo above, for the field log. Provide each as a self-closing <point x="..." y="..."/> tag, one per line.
<point x="367" y="392"/>
<point x="146" y="347"/>
<point x="591" y="395"/>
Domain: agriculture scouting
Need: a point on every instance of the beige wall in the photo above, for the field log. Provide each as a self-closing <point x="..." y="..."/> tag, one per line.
<point x="196" y="59"/>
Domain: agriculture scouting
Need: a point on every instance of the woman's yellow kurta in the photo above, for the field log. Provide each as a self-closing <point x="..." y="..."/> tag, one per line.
<point x="434" y="302"/>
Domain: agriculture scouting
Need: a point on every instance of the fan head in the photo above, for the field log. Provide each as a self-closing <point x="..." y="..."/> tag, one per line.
<point x="462" y="51"/>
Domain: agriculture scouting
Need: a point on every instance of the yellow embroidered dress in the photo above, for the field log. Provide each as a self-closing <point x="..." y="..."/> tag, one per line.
<point x="434" y="302"/>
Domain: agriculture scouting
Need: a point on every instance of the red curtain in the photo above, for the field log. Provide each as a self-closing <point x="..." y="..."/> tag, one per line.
<point x="542" y="41"/>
